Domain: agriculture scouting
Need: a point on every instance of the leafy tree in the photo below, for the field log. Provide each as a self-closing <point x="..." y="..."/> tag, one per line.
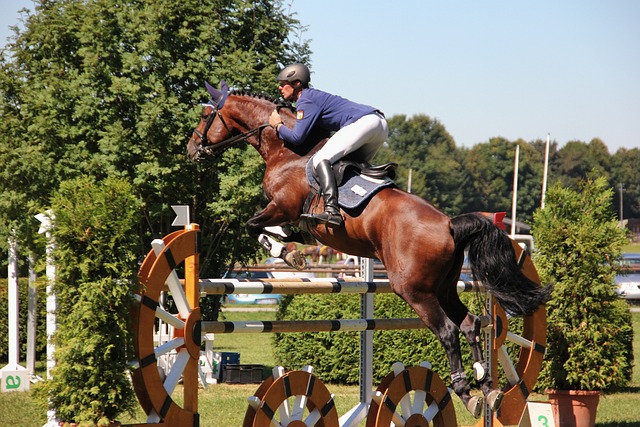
<point x="625" y="173"/>
<point x="423" y="146"/>
<point x="102" y="88"/>
<point x="108" y="91"/>
<point x="491" y="166"/>
<point x="577" y="159"/>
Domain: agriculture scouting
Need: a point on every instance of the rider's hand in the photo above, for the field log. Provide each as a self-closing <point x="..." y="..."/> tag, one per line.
<point x="274" y="119"/>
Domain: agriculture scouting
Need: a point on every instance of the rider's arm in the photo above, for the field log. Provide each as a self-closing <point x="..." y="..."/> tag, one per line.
<point x="306" y="117"/>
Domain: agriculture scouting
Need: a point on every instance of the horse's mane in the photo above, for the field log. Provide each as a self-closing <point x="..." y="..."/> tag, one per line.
<point x="279" y="102"/>
<point x="311" y="144"/>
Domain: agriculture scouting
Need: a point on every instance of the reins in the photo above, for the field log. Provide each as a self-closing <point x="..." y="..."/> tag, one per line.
<point x="210" y="150"/>
<point x="206" y="149"/>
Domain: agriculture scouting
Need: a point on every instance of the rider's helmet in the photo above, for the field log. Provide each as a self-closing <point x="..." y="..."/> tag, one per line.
<point x="294" y="72"/>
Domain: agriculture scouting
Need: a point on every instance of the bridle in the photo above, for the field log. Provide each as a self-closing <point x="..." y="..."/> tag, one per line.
<point x="206" y="149"/>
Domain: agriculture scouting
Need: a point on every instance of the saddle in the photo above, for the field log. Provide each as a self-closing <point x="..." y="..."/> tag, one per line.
<point x="387" y="170"/>
<point x="357" y="182"/>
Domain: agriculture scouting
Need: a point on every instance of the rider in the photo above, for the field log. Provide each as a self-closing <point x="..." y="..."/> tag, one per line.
<point x="358" y="127"/>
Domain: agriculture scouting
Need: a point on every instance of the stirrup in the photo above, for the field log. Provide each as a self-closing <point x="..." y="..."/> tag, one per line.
<point x="332" y="220"/>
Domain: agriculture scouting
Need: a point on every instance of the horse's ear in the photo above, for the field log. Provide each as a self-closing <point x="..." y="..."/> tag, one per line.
<point x="216" y="95"/>
<point x="224" y="88"/>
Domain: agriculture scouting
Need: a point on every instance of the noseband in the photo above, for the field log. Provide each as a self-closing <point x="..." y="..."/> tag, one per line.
<point x="206" y="149"/>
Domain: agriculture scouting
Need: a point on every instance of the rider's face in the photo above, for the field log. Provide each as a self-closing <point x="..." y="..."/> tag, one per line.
<point x="287" y="89"/>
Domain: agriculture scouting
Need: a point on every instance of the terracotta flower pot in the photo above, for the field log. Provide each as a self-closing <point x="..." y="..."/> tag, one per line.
<point x="574" y="408"/>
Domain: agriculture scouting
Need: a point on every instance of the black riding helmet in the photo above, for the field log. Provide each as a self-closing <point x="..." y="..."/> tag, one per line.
<point x="294" y="72"/>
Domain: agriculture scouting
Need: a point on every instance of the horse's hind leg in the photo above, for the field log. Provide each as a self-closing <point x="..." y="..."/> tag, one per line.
<point x="432" y="314"/>
<point x="471" y="326"/>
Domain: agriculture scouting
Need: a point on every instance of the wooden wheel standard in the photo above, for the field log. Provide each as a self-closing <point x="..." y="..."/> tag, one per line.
<point x="292" y="399"/>
<point x="158" y="268"/>
<point x="518" y="346"/>
<point x="414" y="396"/>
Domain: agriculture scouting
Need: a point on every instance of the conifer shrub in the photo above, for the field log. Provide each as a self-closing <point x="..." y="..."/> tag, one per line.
<point x="96" y="260"/>
<point x="589" y="333"/>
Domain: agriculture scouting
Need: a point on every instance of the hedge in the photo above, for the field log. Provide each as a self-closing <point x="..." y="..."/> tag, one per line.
<point x="335" y="356"/>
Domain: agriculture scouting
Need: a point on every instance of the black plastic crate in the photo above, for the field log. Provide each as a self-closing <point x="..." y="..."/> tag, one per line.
<point x="228" y="358"/>
<point x="242" y="374"/>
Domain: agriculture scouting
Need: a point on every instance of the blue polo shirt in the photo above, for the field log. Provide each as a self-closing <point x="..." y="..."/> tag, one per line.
<point x="322" y="109"/>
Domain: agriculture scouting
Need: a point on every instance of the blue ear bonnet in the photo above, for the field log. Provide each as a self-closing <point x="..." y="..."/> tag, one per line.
<point x="218" y="97"/>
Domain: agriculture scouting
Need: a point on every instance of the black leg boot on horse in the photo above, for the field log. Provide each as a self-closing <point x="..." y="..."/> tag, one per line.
<point x="329" y="189"/>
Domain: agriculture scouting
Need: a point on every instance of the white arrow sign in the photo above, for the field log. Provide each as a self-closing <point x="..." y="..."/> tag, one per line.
<point x="45" y="221"/>
<point x="182" y="215"/>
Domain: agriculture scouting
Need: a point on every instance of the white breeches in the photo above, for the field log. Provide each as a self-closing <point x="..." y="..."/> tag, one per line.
<point x="365" y="135"/>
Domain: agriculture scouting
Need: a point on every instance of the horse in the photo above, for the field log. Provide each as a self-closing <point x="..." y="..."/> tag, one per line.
<point x="422" y="249"/>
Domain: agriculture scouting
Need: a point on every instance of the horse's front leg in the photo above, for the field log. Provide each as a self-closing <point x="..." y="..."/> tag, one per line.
<point x="259" y="227"/>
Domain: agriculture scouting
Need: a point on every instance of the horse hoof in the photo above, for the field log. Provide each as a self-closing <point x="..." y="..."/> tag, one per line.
<point x="295" y="259"/>
<point x="474" y="406"/>
<point x="494" y="399"/>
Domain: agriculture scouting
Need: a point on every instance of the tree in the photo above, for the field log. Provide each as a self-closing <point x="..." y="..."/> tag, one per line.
<point x="577" y="159"/>
<point x="105" y="88"/>
<point x="625" y="175"/>
<point x="96" y="253"/>
<point x="423" y="146"/>
<point x="491" y="166"/>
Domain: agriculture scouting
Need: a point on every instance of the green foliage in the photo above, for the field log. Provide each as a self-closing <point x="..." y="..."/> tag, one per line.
<point x="102" y="88"/>
<point x="491" y="168"/>
<point x="97" y="264"/>
<point x="423" y="146"/>
<point x="109" y="91"/>
<point x="480" y="178"/>
<point x="625" y="179"/>
<point x="335" y="355"/>
<point x="589" y="329"/>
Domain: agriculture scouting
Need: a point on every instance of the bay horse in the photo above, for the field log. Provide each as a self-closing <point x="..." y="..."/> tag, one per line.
<point x="422" y="248"/>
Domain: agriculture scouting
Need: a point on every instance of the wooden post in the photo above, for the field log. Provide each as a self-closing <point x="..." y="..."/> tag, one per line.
<point x="192" y="289"/>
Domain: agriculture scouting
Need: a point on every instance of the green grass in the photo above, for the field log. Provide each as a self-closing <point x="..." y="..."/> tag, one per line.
<point x="621" y="408"/>
<point x="224" y="405"/>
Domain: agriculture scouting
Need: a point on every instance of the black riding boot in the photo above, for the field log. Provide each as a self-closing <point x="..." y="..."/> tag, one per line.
<point x="329" y="190"/>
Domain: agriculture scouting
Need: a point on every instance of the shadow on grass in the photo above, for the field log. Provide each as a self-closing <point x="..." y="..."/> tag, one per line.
<point x="619" y="424"/>
<point x="631" y="389"/>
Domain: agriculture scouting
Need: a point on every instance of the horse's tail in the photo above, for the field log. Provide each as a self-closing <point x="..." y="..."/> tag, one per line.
<point x="493" y="262"/>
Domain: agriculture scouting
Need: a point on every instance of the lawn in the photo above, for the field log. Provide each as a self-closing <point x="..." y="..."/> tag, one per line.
<point x="224" y="405"/>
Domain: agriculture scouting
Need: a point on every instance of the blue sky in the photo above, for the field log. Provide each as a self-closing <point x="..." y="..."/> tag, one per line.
<point x="489" y="68"/>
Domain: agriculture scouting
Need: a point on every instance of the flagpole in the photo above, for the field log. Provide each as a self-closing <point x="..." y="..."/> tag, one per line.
<point x="545" y="171"/>
<point x="515" y="191"/>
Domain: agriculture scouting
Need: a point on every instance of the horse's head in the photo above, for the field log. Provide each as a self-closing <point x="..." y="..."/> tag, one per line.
<point x="243" y="118"/>
<point x="209" y="136"/>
